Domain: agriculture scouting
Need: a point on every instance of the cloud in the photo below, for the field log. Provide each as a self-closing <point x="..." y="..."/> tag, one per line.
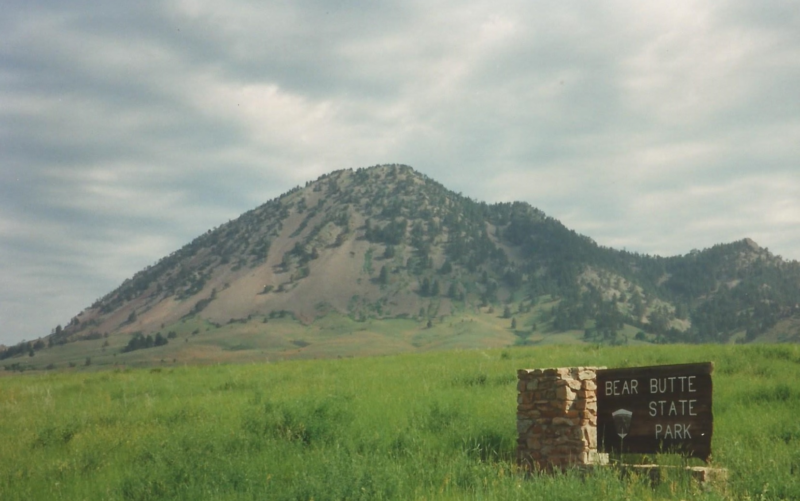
<point x="127" y="130"/>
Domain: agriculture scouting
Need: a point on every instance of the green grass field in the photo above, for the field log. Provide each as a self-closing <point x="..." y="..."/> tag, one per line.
<point x="436" y="425"/>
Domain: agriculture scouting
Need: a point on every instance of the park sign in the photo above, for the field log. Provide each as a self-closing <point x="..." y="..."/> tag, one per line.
<point x="647" y="410"/>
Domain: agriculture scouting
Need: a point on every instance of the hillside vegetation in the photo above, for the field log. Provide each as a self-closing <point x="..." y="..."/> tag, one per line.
<point x="389" y="245"/>
<point x="439" y="425"/>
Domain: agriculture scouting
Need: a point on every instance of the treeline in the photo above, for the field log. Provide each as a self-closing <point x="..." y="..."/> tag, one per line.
<point x="141" y="342"/>
<point x="24" y="348"/>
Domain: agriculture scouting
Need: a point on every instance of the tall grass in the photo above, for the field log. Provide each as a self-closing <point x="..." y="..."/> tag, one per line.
<point x="430" y="426"/>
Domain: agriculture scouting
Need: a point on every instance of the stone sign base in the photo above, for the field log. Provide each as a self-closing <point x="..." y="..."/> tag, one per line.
<point x="708" y="477"/>
<point x="557" y="418"/>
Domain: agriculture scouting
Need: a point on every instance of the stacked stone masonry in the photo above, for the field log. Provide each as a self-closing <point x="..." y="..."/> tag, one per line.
<point x="557" y="418"/>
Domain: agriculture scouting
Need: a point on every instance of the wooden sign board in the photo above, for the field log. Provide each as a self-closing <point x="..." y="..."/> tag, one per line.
<point x="647" y="410"/>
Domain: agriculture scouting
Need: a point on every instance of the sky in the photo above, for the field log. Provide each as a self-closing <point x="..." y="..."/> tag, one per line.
<point x="129" y="128"/>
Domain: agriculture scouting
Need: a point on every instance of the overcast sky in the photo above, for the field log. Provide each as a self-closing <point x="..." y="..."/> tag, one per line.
<point x="129" y="128"/>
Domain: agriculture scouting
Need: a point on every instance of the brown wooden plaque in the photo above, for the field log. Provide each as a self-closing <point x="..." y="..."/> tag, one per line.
<point x="664" y="408"/>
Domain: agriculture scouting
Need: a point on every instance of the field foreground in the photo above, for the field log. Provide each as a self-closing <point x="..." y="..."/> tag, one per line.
<point x="424" y="426"/>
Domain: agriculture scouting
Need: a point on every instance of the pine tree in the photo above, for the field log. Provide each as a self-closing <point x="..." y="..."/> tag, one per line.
<point x="425" y="287"/>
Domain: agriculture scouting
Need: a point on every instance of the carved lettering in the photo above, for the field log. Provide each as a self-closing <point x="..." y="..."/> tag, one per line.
<point x="617" y="387"/>
<point x="673" y="384"/>
<point x="671" y="408"/>
<point x="674" y="431"/>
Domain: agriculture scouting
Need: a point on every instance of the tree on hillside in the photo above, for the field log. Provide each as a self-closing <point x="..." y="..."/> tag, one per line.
<point x="659" y="320"/>
<point x="425" y="287"/>
<point x="638" y="305"/>
<point x="368" y="230"/>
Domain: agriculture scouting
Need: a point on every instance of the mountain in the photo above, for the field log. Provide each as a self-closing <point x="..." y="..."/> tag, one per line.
<point x="385" y="259"/>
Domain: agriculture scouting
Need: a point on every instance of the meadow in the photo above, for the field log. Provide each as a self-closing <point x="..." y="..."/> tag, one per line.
<point x="436" y="425"/>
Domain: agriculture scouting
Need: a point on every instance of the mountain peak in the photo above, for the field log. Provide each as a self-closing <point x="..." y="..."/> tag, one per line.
<point x="389" y="243"/>
<point x="752" y="244"/>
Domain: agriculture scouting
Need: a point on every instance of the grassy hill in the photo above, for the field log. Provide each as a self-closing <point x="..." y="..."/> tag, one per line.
<point x="437" y="425"/>
<point x="281" y="337"/>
